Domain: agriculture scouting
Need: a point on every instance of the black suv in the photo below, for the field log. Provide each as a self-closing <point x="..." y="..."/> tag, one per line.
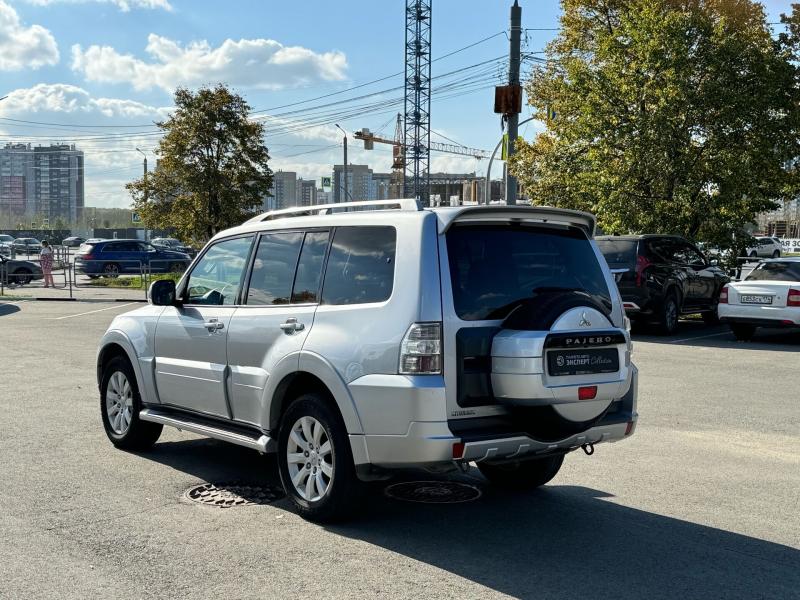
<point x="662" y="277"/>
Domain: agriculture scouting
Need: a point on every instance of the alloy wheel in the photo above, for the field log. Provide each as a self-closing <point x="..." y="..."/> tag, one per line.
<point x="310" y="460"/>
<point x="671" y="315"/>
<point x="119" y="403"/>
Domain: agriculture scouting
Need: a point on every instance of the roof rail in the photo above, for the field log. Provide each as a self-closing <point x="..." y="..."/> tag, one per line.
<point x="326" y="209"/>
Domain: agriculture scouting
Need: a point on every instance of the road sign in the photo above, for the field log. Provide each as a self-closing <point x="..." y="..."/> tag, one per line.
<point x="136" y="217"/>
<point x="326" y="182"/>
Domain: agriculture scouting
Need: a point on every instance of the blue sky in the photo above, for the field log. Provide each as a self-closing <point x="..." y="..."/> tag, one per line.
<point x="79" y="63"/>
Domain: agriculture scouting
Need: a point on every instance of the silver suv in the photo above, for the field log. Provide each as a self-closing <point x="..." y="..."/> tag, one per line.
<point x="355" y="339"/>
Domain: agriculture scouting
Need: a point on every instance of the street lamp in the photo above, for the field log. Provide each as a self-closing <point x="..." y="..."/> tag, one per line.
<point x="346" y="194"/>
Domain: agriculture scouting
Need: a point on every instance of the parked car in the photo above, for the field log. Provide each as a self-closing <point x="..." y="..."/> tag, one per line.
<point x="358" y="343"/>
<point x="94" y="240"/>
<point x="174" y="244"/>
<point x="768" y="297"/>
<point x="5" y="249"/>
<point x="6" y="239"/>
<point x="19" y="272"/>
<point x="27" y="246"/>
<point x="111" y="258"/>
<point x="662" y="277"/>
<point x="766" y="247"/>
<point x="73" y="242"/>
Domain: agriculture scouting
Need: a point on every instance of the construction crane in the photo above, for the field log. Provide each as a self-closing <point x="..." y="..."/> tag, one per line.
<point x="417" y="105"/>
<point x="399" y="149"/>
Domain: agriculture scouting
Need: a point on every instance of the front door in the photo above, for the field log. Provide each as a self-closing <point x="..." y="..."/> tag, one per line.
<point x="191" y="340"/>
<point x="276" y="315"/>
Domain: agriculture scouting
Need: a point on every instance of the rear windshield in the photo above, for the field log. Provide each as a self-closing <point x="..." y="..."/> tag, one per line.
<point x="618" y="251"/>
<point x="775" y="271"/>
<point x="493" y="268"/>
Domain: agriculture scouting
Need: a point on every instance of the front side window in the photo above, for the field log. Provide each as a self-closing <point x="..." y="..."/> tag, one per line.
<point x="217" y="276"/>
<point x="360" y="266"/>
<point x="493" y="269"/>
<point x="273" y="268"/>
<point x="776" y="271"/>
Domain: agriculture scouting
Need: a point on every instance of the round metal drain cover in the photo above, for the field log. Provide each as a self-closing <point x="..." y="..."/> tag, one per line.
<point x="225" y="495"/>
<point x="433" y="492"/>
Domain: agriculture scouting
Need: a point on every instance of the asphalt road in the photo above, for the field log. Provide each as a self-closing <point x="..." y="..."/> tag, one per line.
<point x="701" y="503"/>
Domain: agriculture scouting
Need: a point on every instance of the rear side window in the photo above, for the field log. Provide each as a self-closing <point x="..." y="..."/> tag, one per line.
<point x="618" y="252"/>
<point x="309" y="268"/>
<point x="776" y="271"/>
<point x="273" y="268"/>
<point x="494" y="268"/>
<point x="361" y="265"/>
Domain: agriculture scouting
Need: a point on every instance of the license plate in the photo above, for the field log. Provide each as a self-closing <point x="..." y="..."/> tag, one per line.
<point x="583" y="361"/>
<point x="751" y="299"/>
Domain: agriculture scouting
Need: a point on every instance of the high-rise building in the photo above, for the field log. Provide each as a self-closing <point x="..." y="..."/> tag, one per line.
<point x="360" y="185"/>
<point x="306" y="192"/>
<point x="323" y="197"/>
<point x="42" y="181"/>
<point x="283" y="193"/>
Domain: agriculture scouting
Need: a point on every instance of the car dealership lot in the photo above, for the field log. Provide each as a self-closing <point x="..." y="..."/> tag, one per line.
<point x="702" y="502"/>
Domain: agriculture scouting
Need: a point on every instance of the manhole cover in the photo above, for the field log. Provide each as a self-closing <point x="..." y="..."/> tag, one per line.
<point x="225" y="495"/>
<point x="433" y="492"/>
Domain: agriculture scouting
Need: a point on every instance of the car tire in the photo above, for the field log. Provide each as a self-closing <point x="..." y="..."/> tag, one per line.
<point x="322" y="485"/>
<point x="711" y="317"/>
<point x="776" y="254"/>
<point x="120" y="404"/>
<point x="523" y="474"/>
<point x="111" y="270"/>
<point x="668" y="317"/>
<point x="743" y="332"/>
<point x="753" y="254"/>
<point x="22" y="277"/>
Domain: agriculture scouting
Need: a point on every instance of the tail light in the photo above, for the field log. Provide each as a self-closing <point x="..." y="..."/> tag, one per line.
<point x="794" y="298"/>
<point x="723" y="295"/>
<point x="421" y="350"/>
<point x="641" y="264"/>
<point x="588" y="392"/>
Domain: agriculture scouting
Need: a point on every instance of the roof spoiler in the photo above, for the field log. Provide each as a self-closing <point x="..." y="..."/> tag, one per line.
<point x="537" y="214"/>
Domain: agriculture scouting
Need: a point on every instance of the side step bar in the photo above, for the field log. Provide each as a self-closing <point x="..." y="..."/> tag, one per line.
<point x="262" y="443"/>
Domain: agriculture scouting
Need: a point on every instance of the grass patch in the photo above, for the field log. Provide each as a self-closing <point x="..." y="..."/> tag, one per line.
<point x="12" y="298"/>
<point x="130" y="282"/>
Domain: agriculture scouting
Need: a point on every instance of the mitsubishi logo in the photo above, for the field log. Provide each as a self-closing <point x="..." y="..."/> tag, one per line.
<point x="584" y="322"/>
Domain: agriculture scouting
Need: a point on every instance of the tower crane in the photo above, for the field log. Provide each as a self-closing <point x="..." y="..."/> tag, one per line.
<point x="399" y="149"/>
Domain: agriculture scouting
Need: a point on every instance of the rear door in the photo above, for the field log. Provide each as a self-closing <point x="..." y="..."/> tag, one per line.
<point x="486" y="271"/>
<point x="276" y="315"/>
<point x="702" y="280"/>
<point x="191" y="340"/>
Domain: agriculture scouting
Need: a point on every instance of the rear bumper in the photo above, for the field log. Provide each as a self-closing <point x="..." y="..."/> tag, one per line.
<point x="760" y="316"/>
<point x="492" y="439"/>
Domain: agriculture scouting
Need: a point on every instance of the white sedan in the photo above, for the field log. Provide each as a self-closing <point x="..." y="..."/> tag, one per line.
<point x="768" y="297"/>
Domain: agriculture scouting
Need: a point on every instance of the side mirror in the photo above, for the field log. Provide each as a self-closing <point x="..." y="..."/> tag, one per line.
<point x="162" y="293"/>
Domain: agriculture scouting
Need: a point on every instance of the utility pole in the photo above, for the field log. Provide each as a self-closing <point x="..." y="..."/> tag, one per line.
<point x="513" y="82"/>
<point x="344" y="174"/>
<point x="146" y="236"/>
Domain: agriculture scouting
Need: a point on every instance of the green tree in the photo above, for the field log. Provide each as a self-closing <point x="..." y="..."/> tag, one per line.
<point x="212" y="171"/>
<point x="671" y="116"/>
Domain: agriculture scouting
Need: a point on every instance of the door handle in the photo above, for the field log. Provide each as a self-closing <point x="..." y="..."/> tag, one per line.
<point x="213" y="325"/>
<point x="291" y="325"/>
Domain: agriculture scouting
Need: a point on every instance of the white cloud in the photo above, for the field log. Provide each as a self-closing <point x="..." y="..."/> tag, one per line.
<point x="123" y="5"/>
<point x="24" y="47"/>
<point x="255" y="63"/>
<point x="65" y="98"/>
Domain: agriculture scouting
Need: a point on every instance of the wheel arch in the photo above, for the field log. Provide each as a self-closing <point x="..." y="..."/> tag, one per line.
<point x="116" y="343"/>
<point x="315" y="374"/>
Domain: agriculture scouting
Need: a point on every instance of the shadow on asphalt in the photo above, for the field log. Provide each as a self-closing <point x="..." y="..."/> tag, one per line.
<point x="558" y="541"/>
<point x="8" y="309"/>
<point x="572" y="542"/>
<point x="696" y="333"/>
